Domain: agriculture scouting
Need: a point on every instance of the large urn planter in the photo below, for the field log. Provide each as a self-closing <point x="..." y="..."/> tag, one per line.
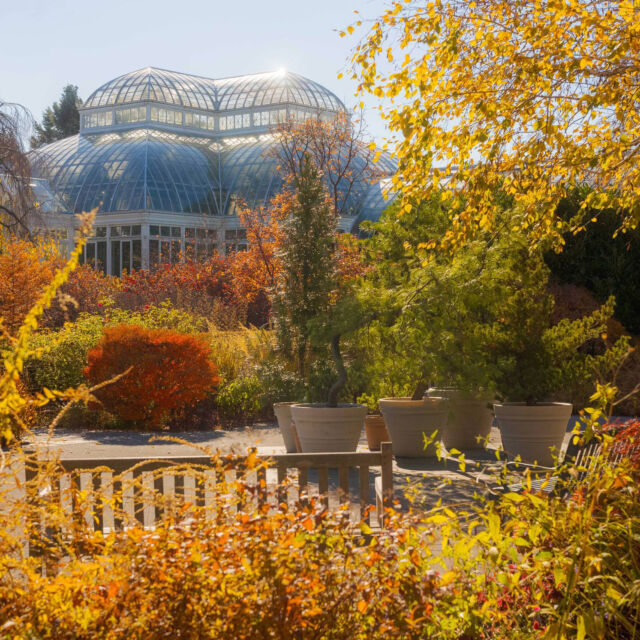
<point x="321" y="428"/>
<point x="376" y="431"/>
<point x="533" y="432"/>
<point x="470" y="419"/>
<point x="282" y="411"/>
<point x="409" y="421"/>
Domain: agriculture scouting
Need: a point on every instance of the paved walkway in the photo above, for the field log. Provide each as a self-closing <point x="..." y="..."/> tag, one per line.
<point x="124" y="444"/>
<point x="418" y="481"/>
<point x="421" y="481"/>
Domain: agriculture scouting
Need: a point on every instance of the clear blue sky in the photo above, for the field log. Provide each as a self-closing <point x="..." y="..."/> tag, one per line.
<point x="50" y="43"/>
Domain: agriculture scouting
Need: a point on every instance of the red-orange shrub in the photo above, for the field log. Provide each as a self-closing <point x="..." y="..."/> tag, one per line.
<point x="190" y="284"/>
<point x="627" y="443"/>
<point x="170" y="371"/>
<point x="85" y="291"/>
<point x="25" y="269"/>
<point x="226" y="290"/>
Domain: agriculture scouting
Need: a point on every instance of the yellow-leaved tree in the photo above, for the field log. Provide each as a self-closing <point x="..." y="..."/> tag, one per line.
<point x="533" y="96"/>
<point x="15" y="350"/>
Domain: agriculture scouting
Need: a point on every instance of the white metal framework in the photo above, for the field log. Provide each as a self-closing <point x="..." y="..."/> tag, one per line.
<point x="166" y="157"/>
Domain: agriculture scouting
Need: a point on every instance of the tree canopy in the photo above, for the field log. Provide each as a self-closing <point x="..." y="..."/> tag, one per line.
<point x="60" y="120"/>
<point x="307" y="274"/>
<point x="534" y="96"/>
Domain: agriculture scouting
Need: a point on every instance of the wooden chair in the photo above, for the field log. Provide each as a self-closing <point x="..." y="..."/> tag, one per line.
<point x="580" y="459"/>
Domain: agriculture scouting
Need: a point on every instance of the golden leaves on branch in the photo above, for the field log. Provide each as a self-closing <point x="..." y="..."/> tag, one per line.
<point x="12" y="401"/>
<point x="528" y="97"/>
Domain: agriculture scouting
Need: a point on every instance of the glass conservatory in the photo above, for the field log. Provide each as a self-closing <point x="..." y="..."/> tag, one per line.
<point x="166" y="157"/>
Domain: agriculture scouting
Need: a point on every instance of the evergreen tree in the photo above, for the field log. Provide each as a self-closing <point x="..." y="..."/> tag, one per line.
<point x="60" y="120"/>
<point x="308" y="264"/>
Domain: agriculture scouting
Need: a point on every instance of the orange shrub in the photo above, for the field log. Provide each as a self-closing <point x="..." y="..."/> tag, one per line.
<point x="25" y="269"/>
<point x="190" y="285"/>
<point x="170" y="371"/>
<point x="84" y="292"/>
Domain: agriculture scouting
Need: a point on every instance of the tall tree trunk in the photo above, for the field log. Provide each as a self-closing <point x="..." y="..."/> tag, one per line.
<point x="302" y="353"/>
<point x="421" y="387"/>
<point x="340" y="383"/>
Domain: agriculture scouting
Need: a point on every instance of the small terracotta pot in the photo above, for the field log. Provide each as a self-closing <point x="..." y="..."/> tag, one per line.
<point x="376" y="431"/>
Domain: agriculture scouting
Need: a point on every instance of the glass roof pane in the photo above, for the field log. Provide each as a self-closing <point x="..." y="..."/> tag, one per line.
<point x="211" y="94"/>
<point x="180" y="174"/>
<point x="151" y="169"/>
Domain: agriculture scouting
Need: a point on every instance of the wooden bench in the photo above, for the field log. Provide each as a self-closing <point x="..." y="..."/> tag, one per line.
<point x="579" y="461"/>
<point x="149" y="488"/>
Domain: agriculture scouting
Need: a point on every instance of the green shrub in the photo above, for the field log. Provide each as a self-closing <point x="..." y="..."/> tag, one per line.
<point x="241" y="399"/>
<point x="478" y="318"/>
<point x="279" y="384"/>
<point x="62" y="354"/>
<point x="236" y="353"/>
<point x="160" y="316"/>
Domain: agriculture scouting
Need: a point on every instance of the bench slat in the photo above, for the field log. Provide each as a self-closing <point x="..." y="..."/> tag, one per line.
<point x="364" y="491"/>
<point x="124" y="491"/>
<point x="343" y="484"/>
<point x="323" y="485"/>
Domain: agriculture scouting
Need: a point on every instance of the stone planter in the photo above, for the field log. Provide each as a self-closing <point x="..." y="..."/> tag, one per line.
<point x="283" y="416"/>
<point x="295" y="436"/>
<point x="322" y="428"/>
<point x="409" y="421"/>
<point x="376" y="431"/>
<point x="470" y="419"/>
<point x="531" y="431"/>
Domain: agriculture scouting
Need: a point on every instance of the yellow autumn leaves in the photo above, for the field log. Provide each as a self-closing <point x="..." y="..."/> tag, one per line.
<point x="529" y="97"/>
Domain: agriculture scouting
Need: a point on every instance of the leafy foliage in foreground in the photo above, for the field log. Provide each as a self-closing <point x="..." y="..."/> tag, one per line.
<point x="522" y="566"/>
<point x="536" y="97"/>
<point x="14" y="403"/>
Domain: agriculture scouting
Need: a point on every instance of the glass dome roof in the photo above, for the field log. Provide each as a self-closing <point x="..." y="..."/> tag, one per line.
<point x="378" y="197"/>
<point x="145" y="171"/>
<point x="145" y="160"/>
<point x="151" y="170"/>
<point x="242" y="92"/>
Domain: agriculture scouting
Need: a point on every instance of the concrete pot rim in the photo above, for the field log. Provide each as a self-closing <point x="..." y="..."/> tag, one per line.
<point x="537" y="405"/>
<point x="284" y="404"/>
<point x="457" y="394"/>
<point x="427" y="401"/>
<point x="324" y="405"/>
